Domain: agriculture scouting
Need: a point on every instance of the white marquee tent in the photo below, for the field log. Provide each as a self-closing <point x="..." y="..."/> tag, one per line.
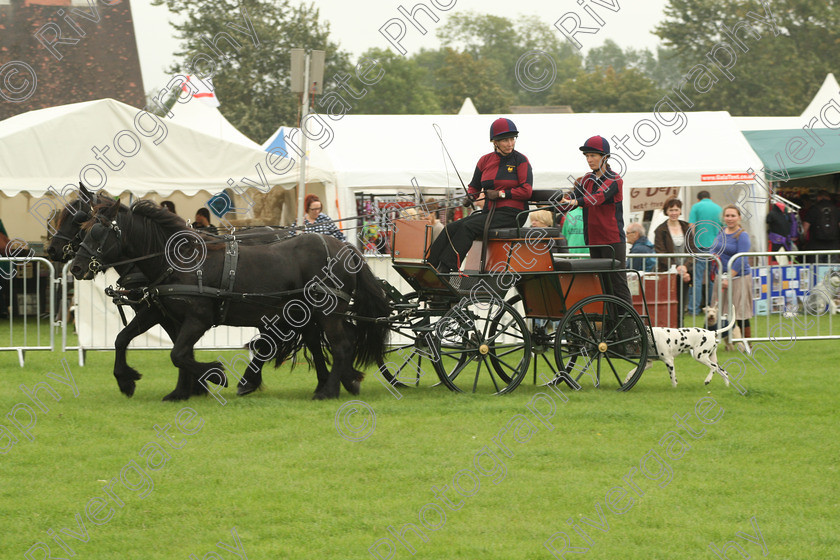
<point x="55" y="147"/>
<point x="383" y="153"/>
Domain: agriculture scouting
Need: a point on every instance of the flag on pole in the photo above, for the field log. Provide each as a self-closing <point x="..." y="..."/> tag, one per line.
<point x="203" y="90"/>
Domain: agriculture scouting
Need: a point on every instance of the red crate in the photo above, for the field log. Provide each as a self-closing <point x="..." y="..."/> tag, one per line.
<point x="660" y="290"/>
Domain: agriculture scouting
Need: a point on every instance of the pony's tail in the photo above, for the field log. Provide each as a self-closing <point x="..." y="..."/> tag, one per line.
<point x="369" y="302"/>
<point x="287" y="348"/>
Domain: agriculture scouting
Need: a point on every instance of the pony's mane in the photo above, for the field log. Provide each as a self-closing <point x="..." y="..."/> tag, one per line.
<point x="102" y="205"/>
<point x="65" y="212"/>
<point x="159" y="215"/>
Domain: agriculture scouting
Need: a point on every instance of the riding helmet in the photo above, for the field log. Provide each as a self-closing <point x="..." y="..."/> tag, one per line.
<point x="596" y="145"/>
<point x="503" y="128"/>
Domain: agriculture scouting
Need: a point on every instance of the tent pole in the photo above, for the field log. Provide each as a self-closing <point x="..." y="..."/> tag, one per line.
<point x="303" y="113"/>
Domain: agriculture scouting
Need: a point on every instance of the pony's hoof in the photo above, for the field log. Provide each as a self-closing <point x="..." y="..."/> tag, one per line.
<point x="127" y="386"/>
<point x="175" y="396"/>
<point x="246" y="389"/>
<point x="218" y="367"/>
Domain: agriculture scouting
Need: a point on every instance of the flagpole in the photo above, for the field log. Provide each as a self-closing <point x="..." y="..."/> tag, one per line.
<point x="303" y="113"/>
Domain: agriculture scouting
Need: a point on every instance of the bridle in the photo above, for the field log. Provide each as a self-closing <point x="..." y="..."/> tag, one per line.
<point x="96" y="265"/>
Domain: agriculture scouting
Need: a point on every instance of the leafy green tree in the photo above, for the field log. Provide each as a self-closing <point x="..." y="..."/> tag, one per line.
<point x="607" y="91"/>
<point x="253" y="82"/>
<point x="779" y="72"/>
<point x="403" y="88"/>
<point x="463" y="76"/>
<point x="501" y="43"/>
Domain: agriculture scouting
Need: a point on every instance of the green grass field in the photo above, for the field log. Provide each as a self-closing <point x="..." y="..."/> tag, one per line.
<point x="274" y="466"/>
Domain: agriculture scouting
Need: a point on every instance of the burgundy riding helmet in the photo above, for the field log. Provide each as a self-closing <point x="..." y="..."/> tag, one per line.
<point x="503" y="128"/>
<point x="596" y="145"/>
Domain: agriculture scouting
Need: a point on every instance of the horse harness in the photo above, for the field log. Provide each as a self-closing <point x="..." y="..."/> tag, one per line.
<point x="225" y="293"/>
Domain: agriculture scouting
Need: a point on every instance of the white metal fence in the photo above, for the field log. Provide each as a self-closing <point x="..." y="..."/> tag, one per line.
<point x="96" y="321"/>
<point x="801" y="292"/>
<point x="27" y="303"/>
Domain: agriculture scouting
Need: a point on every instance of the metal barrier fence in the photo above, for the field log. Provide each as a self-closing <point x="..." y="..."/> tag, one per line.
<point x="671" y="299"/>
<point x="27" y="301"/>
<point x="800" y="292"/>
<point x="802" y="289"/>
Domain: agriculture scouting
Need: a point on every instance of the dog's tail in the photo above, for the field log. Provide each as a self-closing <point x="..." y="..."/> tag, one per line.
<point x="731" y="324"/>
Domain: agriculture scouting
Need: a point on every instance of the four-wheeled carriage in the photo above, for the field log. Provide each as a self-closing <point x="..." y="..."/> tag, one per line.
<point x="466" y="328"/>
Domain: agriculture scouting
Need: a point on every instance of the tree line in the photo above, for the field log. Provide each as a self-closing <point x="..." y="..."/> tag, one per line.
<point x="783" y="58"/>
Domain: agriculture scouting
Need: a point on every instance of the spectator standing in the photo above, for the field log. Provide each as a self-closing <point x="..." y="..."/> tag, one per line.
<point x="822" y="226"/>
<point x="202" y="222"/>
<point x="780" y="231"/>
<point x="674" y="236"/>
<point x="640" y="244"/>
<point x="314" y="221"/>
<point x="169" y="205"/>
<point x="736" y="274"/>
<point x="573" y="230"/>
<point x="705" y="217"/>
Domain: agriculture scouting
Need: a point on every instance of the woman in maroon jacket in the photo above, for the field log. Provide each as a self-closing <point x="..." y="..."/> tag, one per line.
<point x="505" y="177"/>
<point x="599" y="194"/>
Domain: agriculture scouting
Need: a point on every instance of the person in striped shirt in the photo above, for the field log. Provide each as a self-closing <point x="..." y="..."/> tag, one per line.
<point x="315" y="221"/>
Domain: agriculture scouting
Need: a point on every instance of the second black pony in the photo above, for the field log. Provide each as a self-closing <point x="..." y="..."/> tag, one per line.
<point x="309" y="282"/>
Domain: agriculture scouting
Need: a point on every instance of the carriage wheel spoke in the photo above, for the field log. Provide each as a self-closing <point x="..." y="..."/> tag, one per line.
<point x="477" y="374"/>
<point x="493" y="379"/>
<point x="615" y="373"/>
<point x="460" y="367"/>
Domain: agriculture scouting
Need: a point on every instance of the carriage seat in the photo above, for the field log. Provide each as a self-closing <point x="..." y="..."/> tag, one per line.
<point x="585" y="265"/>
<point x="523" y="233"/>
<point x="546" y="195"/>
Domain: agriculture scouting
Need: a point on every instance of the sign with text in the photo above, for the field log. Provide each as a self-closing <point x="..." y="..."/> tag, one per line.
<point x="642" y="200"/>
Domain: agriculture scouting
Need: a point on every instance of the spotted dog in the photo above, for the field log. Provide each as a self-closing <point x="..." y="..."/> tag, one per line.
<point x="702" y="344"/>
<point x="711" y="321"/>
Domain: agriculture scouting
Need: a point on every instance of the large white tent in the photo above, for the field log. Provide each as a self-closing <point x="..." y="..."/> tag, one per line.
<point x="56" y="147"/>
<point x="207" y="119"/>
<point x="384" y="153"/>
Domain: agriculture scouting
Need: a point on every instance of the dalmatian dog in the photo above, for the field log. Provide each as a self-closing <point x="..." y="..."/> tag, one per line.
<point x="711" y="321"/>
<point x="702" y="344"/>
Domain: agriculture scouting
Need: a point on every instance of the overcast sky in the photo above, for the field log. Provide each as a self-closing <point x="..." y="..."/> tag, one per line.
<point x="355" y="24"/>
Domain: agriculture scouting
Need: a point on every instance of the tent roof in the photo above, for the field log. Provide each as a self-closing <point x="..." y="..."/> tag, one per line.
<point x="769" y="123"/>
<point x="387" y="151"/>
<point x="318" y="162"/>
<point x="771" y="146"/>
<point x="52" y="147"/>
<point x="468" y="107"/>
<point x="201" y="117"/>
<point x="826" y="93"/>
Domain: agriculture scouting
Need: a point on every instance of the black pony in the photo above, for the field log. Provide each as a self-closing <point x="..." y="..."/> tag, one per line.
<point x="63" y="247"/>
<point x="306" y="283"/>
